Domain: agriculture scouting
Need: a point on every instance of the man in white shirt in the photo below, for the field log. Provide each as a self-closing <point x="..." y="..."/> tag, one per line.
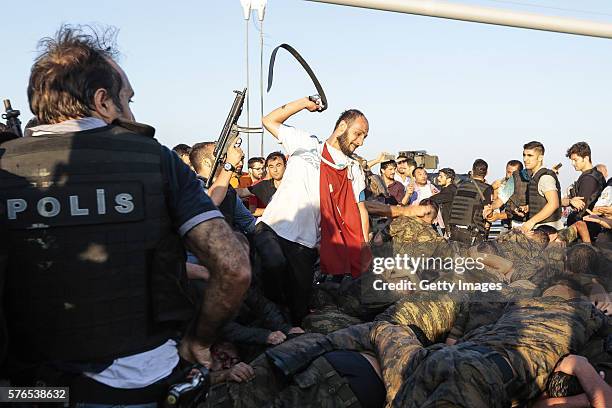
<point x="293" y="216"/>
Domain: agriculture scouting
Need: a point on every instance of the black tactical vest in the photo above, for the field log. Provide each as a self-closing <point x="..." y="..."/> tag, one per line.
<point x="519" y="197"/>
<point x="95" y="270"/>
<point x="536" y="201"/>
<point x="468" y="205"/>
<point x="601" y="181"/>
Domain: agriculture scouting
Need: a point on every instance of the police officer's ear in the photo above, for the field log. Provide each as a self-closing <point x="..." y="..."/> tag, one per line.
<point x="104" y="107"/>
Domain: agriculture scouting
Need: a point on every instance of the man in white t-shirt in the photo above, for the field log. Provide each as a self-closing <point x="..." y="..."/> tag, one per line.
<point x="543" y="191"/>
<point x="293" y="216"/>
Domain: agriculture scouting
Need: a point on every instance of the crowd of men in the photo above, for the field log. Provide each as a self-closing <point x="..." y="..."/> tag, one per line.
<point x="127" y="266"/>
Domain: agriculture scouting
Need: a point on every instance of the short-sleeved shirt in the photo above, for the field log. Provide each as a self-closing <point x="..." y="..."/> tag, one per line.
<point x="547" y="183"/>
<point x="295" y="210"/>
<point x="188" y="206"/>
<point x="264" y="190"/>
<point x="397" y="191"/>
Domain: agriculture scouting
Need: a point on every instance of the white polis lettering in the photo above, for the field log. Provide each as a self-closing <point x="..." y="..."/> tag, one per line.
<point x="101" y="199"/>
<point x="51" y="207"/>
<point x="14" y="206"/>
<point x="51" y="212"/>
<point x="124" y="203"/>
<point x="74" y="207"/>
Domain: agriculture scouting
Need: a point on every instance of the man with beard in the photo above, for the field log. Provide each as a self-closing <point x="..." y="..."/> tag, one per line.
<point x="319" y="204"/>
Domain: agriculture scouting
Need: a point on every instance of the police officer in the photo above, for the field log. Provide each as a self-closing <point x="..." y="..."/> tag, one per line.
<point x="543" y="191"/>
<point x="466" y="218"/>
<point x="96" y="216"/>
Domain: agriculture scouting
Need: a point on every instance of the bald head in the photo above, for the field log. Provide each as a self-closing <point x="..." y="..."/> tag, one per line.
<point x="603" y="169"/>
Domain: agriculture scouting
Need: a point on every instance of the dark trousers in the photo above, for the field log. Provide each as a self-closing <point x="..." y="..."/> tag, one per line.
<point x="287" y="271"/>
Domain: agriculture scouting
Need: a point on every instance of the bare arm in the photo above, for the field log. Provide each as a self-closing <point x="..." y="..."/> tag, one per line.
<point x="215" y="245"/>
<point x="576" y="401"/>
<point x="394" y="211"/>
<point x="365" y="221"/>
<point x="552" y="203"/>
<point x="277" y="117"/>
<point x="218" y="189"/>
<point x="597" y="390"/>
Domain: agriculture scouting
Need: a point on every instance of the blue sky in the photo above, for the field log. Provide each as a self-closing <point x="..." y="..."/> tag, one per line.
<point x="457" y="89"/>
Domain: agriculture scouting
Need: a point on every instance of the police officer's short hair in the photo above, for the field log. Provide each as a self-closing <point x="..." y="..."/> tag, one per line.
<point x="515" y="163"/>
<point x="199" y="152"/>
<point x="537" y="146"/>
<point x="581" y="149"/>
<point x="480" y="168"/>
<point x="276" y="155"/>
<point x="71" y="67"/>
<point x="254" y="160"/>
<point x="448" y="172"/>
<point x="349" y="116"/>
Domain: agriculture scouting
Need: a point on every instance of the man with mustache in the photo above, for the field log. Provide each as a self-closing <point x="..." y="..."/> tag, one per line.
<point x="319" y="204"/>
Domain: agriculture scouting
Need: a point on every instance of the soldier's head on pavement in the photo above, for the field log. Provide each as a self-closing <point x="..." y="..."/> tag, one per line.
<point x="582" y="259"/>
<point x="350" y="131"/>
<point x="76" y="76"/>
<point x="533" y="155"/>
<point x="224" y="356"/>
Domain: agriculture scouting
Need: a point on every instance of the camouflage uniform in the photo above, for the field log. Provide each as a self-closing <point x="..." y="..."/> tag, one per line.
<point x="531" y="336"/>
<point x="429" y="316"/>
<point x="295" y="374"/>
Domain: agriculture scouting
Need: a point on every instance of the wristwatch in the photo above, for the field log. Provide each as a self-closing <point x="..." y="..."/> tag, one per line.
<point x="229" y="167"/>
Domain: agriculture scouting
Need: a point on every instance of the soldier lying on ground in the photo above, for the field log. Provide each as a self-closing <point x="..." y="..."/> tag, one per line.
<point x="508" y="360"/>
<point x="259" y="324"/>
<point x="338" y="370"/>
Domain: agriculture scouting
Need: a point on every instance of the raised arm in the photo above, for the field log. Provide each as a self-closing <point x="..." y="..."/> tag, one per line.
<point x="277" y="117"/>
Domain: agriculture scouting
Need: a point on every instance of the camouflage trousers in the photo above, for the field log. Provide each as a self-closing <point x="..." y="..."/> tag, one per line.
<point x="319" y="385"/>
<point x="528" y="340"/>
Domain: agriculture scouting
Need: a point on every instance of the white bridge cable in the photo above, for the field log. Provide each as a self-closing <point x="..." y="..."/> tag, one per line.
<point x="486" y="15"/>
<point x="545" y="6"/>
<point x="261" y="86"/>
<point x="248" y="112"/>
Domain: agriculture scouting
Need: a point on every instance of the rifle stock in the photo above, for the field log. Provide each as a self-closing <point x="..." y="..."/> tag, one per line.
<point x="228" y="135"/>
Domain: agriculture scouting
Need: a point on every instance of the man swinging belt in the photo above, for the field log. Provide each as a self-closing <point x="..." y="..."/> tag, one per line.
<point x="319" y="203"/>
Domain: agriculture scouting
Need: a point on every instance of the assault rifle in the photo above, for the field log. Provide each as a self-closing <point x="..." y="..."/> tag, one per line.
<point x="229" y="134"/>
<point x="12" y="118"/>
